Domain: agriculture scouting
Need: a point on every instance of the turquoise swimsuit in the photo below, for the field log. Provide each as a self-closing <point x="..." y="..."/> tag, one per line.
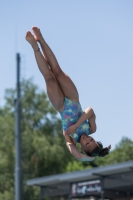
<point x="71" y="113"/>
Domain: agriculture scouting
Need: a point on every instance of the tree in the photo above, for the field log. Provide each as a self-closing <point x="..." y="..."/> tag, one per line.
<point x="6" y="155"/>
<point x="123" y="152"/>
<point x="43" y="147"/>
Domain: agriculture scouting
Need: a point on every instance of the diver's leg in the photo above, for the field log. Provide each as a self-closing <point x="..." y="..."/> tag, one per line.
<point x="66" y="84"/>
<point x="53" y="89"/>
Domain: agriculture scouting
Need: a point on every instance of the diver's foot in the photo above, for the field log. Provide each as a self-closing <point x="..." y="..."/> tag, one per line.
<point x="37" y="33"/>
<point x="30" y="38"/>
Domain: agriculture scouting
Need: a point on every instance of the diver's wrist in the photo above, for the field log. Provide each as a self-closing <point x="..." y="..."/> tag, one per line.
<point x="77" y="125"/>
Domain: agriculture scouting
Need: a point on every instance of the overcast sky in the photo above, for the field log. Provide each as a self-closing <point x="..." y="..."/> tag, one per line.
<point x="93" y="42"/>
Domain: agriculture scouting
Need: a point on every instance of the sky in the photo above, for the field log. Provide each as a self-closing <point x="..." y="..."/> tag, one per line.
<point x="93" y="43"/>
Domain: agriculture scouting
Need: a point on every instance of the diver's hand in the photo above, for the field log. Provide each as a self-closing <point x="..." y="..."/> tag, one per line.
<point x="71" y="129"/>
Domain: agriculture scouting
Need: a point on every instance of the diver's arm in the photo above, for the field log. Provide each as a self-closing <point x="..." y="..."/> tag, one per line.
<point x="75" y="152"/>
<point x="73" y="149"/>
<point x="89" y="115"/>
<point x="71" y="145"/>
<point x="69" y="139"/>
<point x="92" y="122"/>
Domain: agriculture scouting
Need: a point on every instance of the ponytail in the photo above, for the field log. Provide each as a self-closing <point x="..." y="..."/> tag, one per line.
<point x="104" y="151"/>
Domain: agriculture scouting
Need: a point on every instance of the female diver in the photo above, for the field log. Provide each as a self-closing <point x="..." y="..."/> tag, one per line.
<point x="77" y="125"/>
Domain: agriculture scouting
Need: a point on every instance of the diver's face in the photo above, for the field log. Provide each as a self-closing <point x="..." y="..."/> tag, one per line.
<point x="88" y="143"/>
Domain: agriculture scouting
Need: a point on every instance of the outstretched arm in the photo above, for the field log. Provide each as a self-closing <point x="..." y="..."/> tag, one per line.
<point x="71" y="145"/>
<point x="87" y="114"/>
<point x="75" y="152"/>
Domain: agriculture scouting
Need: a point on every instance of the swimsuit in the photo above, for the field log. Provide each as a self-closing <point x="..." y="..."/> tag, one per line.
<point x="70" y="115"/>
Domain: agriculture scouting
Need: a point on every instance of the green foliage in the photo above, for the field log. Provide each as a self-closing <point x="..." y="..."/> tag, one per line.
<point x="123" y="152"/>
<point x="43" y="147"/>
<point x="76" y="165"/>
<point x="6" y="155"/>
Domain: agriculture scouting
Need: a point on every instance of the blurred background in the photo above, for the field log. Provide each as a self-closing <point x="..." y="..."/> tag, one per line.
<point x="93" y="43"/>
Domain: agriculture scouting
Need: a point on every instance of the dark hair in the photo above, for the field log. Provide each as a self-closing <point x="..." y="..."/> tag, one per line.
<point x="99" y="151"/>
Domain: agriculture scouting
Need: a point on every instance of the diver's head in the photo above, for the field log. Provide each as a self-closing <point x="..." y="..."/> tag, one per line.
<point x="93" y="148"/>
